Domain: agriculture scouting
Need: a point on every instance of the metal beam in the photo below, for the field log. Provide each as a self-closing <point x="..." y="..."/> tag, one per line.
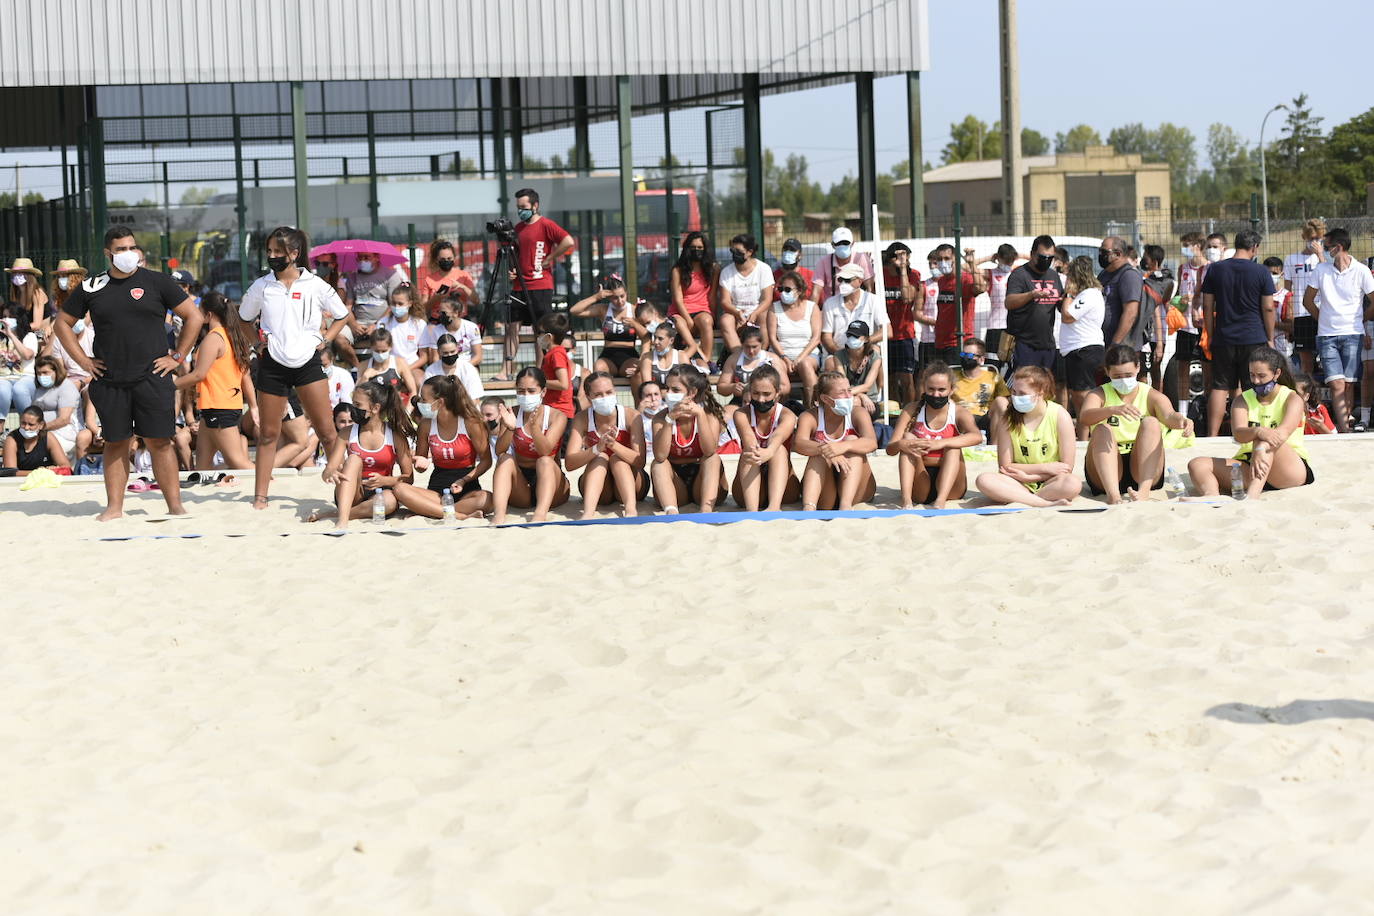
<point x="918" y="181"/>
<point x="628" y="214"/>
<point x="100" y="214"/>
<point x="240" y="208"/>
<point x="302" y="171"/>
<point x="498" y="146"/>
<point x="1013" y="192"/>
<point x="582" y="154"/>
<point x="868" y="154"/>
<point x="753" y="156"/>
<point x="373" y="205"/>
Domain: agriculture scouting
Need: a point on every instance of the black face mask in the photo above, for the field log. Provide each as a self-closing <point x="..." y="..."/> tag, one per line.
<point x="968" y="365"/>
<point x="1104" y="259"/>
<point x="446" y="264"/>
<point x="935" y="402"/>
<point x="1043" y="262"/>
<point x="358" y="414"/>
<point x="763" y="406"/>
<point x="695" y="254"/>
<point x="449" y="360"/>
<point x="277" y="265"/>
<point x="491" y="424"/>
<point x="739" y="257"/>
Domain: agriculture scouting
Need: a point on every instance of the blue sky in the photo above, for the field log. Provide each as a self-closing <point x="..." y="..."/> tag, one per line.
<point x="1106" y="65"/>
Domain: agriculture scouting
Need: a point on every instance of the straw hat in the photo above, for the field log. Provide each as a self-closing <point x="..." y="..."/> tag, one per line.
<point x="23" y="266"/>
<point x="69" y="266"/>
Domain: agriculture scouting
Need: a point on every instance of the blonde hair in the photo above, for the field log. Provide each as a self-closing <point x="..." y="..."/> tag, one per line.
<point x="1314" y="228"/>
<point x="1039" y="379"/>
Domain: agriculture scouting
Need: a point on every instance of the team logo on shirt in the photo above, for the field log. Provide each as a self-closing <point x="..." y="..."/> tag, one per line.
<point x="136" y="293"/>
<point x="295" y="295"/>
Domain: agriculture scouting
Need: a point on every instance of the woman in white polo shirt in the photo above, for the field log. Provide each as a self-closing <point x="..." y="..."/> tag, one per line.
<point x="292" y="304"/>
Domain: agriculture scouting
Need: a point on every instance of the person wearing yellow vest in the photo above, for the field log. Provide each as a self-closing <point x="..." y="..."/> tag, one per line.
<point x="1128" y="419"/>
<point x="1035" y="447"/>
<point x="1267" y="420"/>
<point x="222" y="384"/>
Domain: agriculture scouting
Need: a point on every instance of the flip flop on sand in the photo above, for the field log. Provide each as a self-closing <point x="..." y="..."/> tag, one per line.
<point x="227" y="480"/>
<point x="143" y="485"/>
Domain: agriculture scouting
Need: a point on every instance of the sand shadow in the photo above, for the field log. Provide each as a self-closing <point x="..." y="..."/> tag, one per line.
<point x="1294" y="713"/>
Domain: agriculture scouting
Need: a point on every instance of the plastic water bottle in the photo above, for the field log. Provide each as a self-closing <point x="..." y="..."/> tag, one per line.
<point x="1173" y="484"/>
<point x="1237" y="482"/>
<point x="450" y="516"/>
<point x="378" y="508"/>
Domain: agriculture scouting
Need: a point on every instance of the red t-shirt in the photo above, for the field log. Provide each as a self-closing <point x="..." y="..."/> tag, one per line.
<point x="947" y="313"/>
<point x="554" y="360"/>
<point x="537" y="241"/>
<point x="808" y="281"/>
<point x="900" y="313"/>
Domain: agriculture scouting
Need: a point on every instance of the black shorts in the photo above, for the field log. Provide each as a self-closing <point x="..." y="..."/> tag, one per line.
<point x="688" y="473"/>
<point x="441" y="479"/>
<point x="1082" y="366"/>
<point x="529" y="305"/>
<point x="275" y="379"/>
<point x="994" y="340"/>
<point x="1268" y="487"/>
<point x="1147" y="359"/>
<point x="1025" y="355"/>
<point x="901" y="356"/>
<point x="617" y="357"/>
<point x="529" y="473"/>
<point x="1126" y="482"/>
<point x="1231" y="365"/>
<point x="146" y="407"/>
<point x="1187" y="347"/>
<point x="925" y="354"/>
<point x="1305" y="333"/>
<point x="213" y="418"/>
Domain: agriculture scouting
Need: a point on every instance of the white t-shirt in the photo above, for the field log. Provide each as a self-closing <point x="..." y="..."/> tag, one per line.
<point x="466" y="374"/>
<point x="1089" y="310"/>
<point x="997" y="297"/>
<point x="931" y="309"/>
<point x="1297" y="270"/>
<point x="340" y="382"/>
<point x="406" y="336"/>
<point x="745" y="292"/>
<point x="835" y="318"/>
<point x="467" y="336"/>
<point x="291" y="318"/>
<point x="1341" y="297"/>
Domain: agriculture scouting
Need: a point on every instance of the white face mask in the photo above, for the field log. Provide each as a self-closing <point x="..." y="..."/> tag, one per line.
<point x="427" y="410"/>
<point x="64" y="282"/>
<point x="1213" y="255"/>
<point x="528" y="402"/>
<point x="604" y="405"/>
<point x="1125" y="385"/>
<point x="673" y="398"/>
<point x="1024" y="403"/>
<point x="400" y="312"/>
<point x="854" y="343"/>
<point x="790" y="257"/>
<point x="79" y="327"/>
<point x="29" y="433"/>
<point x="45" y="381"/>
<point x="12" y="323"/>
<point x="19" y="279"/>
<point x="653" y="326"/>
<point x="366" y="267"/>
<point x="1187" y="253"/>
<point x="846" y="289"/>
<point x="842" y="250"/>
<point x="789" y="297"/>
<point x="843" y="406"/>
<point x="380" y="357"/>
<point x="126" y="262"/>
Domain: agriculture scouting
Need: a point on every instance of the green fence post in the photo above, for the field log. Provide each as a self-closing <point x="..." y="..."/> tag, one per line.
<point x="410" y="249"/>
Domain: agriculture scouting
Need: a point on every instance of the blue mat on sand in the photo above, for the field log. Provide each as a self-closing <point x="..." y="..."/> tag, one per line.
<point x="729" y="518"/>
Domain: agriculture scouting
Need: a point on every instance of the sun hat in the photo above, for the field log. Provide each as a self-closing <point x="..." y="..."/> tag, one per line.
<point x="23" y="266"/>
<point x="69" y="266"/>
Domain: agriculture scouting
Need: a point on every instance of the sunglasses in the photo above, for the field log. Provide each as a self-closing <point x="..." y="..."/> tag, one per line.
<point x="787" y="289"/>
<point x="971" y="355"/>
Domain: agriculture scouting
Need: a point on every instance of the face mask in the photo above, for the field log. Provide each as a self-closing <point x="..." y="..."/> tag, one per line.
<point x="1278" y="281"/>
<point x="1043" y="262"/>
<point x="842" y="251"/>
<point x="449" y="360"/>
<point x="968" y="364"/>
<point x="653" y="326"/>
<point x="1213" y="255"/>
<point x="935" y="401"/>
<point x="696" y="254"/>
<point x="358" y="414"/>
<point x="64" y="282"/>
<point x="46" y="381"/>
<point x="1104" y="259"/>
<point x="1187" y="253"/>
<point x="739" y="257"/>
<point x="1024" y="403"/>
<point x="525" y="214"/>
<point x="604" y="406"/>
<point x="126" y="262"/>
<point x="763" y="406"/>
<point x="789" y="297"/>
<point x="1263" y="389"/>
<point x="1330" y="256"/>
<point x="846" y="289"/>
<point x="492" y="424"/>
<point x="673" y="398"/>
<point x="651" y="411"/>
<point x="944" y="269"/>
<point x="843" y="406"/>
<point x="854" y="343"/>
<point x="366" y="267"/>
<point x="12" y="323"/>
<point x="323" y="270"/>
<point x="663" y="352"/>
<point x="29" y="433"/>
<point x="790" y="257"/>
<point x="528" y="402"/>
<point x="19" y="279"/>
<point x="1125" y="385"/>
<point x="379" y="357"/>
<point x="427" y="410"/>
<point x="79" y="327"/>
<point x="277" y="265"/>
<point x="446" y="264"/>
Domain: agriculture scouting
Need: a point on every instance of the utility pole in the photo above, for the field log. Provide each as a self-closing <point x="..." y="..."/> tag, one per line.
<point x="1012" y="191"/>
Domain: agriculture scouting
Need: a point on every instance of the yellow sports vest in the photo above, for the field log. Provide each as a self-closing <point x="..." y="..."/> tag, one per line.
<point x="1041" y="445"/>
<point x="1124" y="429"/>
<point x="1270" y="415"/>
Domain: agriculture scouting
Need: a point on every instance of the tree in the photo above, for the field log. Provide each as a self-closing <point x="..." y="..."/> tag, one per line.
<point x="197" y="197"/>
<point x="1034" y="143"/>
<point x="1349" y="155"/>
<point x="1077" y="139"/>
<point x="1301" y="134"/>
<point x="1166" y="143"/>
<point x="972" y="140"/>
<point x="32" y="197"/>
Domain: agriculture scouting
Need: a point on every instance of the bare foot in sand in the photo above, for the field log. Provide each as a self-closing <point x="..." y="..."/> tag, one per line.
<point x="260" y="503"/>
<point x="110" y="515"/>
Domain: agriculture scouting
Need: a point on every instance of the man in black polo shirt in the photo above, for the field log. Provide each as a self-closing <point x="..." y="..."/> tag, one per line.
<point x="1034" y="291"/>
<point x="132" y="387"/>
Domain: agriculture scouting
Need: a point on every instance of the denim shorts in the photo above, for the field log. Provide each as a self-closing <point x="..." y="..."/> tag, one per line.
<point x="1340" y="357"/>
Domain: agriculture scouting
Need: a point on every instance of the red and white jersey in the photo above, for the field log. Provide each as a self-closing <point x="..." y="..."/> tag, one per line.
<point x="685" y="450"/>
<point x="820" y="435"/>
<point x="622" y="431"/>
<point x="997" y="297"/>
<point x="382" y="460"/>
<point x="920" y="429"/>
<point x="451" y="454"/>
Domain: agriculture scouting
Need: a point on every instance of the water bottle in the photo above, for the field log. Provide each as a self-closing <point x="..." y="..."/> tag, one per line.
<point x="1173" y="484"/>
<point x="450" y="516"/>
<point x="378" y="508"/>
<point x="1237" y="482"/>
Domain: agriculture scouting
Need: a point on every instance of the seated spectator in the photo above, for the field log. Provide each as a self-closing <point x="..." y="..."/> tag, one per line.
<point x="527" y="469"/>
<point x="794" y="328"/>
<point x="1267" y="419"/>
<point x="650" y="316"/>
<point x="650" y="405"/>
<point x="1035" y="447"/>
<point x="765" y="430"/>
<point x="661" y="356"/>
<point x="978" y="388"/>
<point x="60" y="400"/>
<point x="744" y="362"/>
<point x="387" y="368"/>
<point x="686" y="467"/>
<point x="454" y="441"/>
<point x="608" y="440"/>
<point x="490" y="406"/>
<point x="851" y="303"/>
<point x="443" y="279"/>
<point x="837" y="473"/>
<point x="450" y="363"/>
<point x="407" y="325"/>
<point x="692" y="284"/>
<point x="929" y="439"/>
<point x="31" y="446"/>
<point x="1127" y="419"/>
<point x="376" y="456"/>
<point x="620" y="328"/>
<point x="450" y="317"/>
<point x="1318" y="422"/>
<point x="861" y="364"/>
<point x="339" y="378"/>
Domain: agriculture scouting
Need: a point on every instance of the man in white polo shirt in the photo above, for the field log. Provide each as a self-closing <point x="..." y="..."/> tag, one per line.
<point x="1338" y="296"/>
<point x="851" y="303"/>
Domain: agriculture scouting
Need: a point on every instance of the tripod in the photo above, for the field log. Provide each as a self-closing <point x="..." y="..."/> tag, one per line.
<point x="505" y="261"/>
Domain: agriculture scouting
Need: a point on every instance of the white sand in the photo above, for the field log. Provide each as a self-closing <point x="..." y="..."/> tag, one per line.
<point x="1160" y="708"/>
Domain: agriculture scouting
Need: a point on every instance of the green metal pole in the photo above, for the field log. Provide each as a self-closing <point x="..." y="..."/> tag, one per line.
<point x="582" y="151"/>
<point x="918" y="184"/>
<point x="240" y="208"/>
<point x="100" y="213"/>
<point x="753" y="155"/>
<point x="85" y="230"/>
<point x="664" y="91"/>
<point x="498" y="146"/>
<point x="710" y="177"/>
<point x="410" y="250"/>
<point x="298" y="144"/>
<point x="628" y="215"/>
<point x="868" y="156"/>
<point x="373" y="207"/>
<point x="166" y="251"/>
<point x="1254" y="211"/>
<point x="959" y="269"/>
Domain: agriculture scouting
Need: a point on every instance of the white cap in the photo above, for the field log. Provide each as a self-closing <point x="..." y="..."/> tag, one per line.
<point x="841" y="234"/>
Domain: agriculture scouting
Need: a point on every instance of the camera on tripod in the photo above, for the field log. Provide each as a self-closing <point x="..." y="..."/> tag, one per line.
<point x="503" y="229"/>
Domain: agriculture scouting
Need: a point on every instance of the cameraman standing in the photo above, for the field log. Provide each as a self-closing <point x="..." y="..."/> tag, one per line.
<point x="540" y="241"/>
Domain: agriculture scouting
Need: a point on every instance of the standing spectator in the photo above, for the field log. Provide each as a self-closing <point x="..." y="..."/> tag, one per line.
<point x="925" y="350"/>
<point x="948" y="323"/>
<point x="1124" y="322"/>
<point x="1367" y="386"/>
<point x="1283" y="309"/>
<point x="133" y="391"/>
<point x="555" y="342"/>
<point x="1157" y="288"/>
<point x="1238" y="315"/>
<point x="905" y="295"/>
<point x="1297" y="274"/>
<point x="443" y="279"/>
<point x="1190" y="268"/>
<point x="996" y="280"/>
<point x="1080" y="338"/>
<point x="851" y="303"/>
<point x="843" y="254"/>
<point x="791" y="260"/>
<point x="1033" y="294"/>
<point x="745" y="289"/>
<point x="539" y="243"/>
<point x="1338" y="296"/>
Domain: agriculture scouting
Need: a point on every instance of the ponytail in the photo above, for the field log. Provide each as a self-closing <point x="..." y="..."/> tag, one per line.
<point x="389" y="408"/>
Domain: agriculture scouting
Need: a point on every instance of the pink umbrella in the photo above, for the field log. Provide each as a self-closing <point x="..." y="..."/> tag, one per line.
<point x="347" y="251"/>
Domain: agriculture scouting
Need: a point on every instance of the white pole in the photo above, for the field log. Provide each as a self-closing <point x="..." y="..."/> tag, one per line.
<point x="880" y="288"/>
